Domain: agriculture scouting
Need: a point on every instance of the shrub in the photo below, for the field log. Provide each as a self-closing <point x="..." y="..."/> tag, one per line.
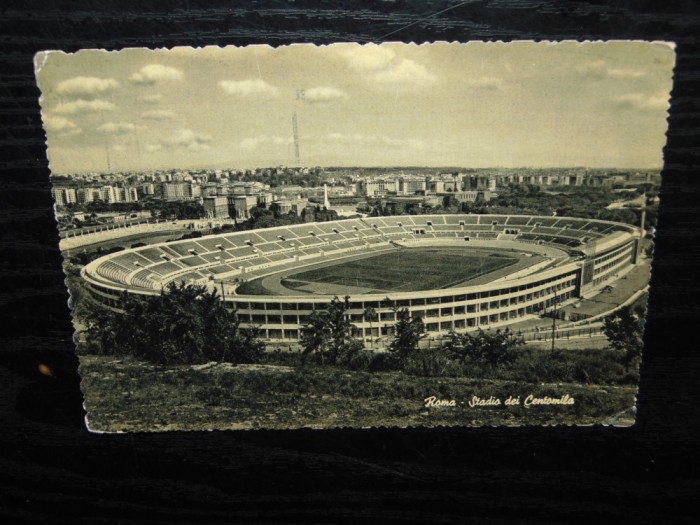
<point x="361" y="360"/>
<point x="282" y="358"/>
<point x="432" y="363"/>
<point x="590" y="366"/>
<point x="540" y="367"/>
<point x="494" y="348"/>
<point x="383" y="362"/>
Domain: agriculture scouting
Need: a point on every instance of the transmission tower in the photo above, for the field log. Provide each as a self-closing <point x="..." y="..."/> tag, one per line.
<point x="295" y="128"/>
<point x="109" y="164"/>
<point x="295" y="131"/>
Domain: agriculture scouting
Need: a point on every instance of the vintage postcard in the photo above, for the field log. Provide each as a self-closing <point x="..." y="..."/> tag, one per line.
<point x="446" y="234"/>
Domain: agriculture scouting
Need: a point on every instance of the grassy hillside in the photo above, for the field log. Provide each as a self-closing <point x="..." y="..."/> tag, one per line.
<point x="128" y="395"/>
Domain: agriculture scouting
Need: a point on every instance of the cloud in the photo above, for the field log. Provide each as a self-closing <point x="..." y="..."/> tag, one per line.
<point x="198" y="146"/>
<point x="159" y="115"/>
<point x="625" y="73"/>
<point x="152" y="99"/>
<point x="380" y="65"/>
<point x="252" y="143"/>
<point x="86" y="86"/>
<point x="639" y="101"/>
<point x="383" y="141"/>
<point x="595" y="69"/>
<point x="187" y="138"/>
<point x="60" y="125"/>
<point x="182" y="138"/>
<point x="76" y="107"/>
<point x="487" y="83"/>
<point x="600" y="69"/>
<point x="155" y="73"/>
<point x="406" y="72"/>
<point x="323" y="94"/>
<point x="245" y="88"/>
<point x="370" y="57"/>
<point x="116" y="128"/>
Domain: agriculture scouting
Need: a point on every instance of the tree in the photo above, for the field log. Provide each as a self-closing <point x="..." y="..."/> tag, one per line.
<point x="329" y="334"/>
<point x="315" y="336"/>
<point x="97" y="206"/>
<point x="624" y="329"/>
<point x="175" y="209"/>
<point x="408" y="333"/>
<point x="343" y="345"/>
<point x="450" y="203"/>
<point x="494" y="349"/>
<point x="370" y="314"/>
<point x="185" y="324"/>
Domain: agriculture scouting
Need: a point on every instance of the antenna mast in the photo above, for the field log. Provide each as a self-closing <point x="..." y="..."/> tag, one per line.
<point x="295" y="129"/>
<point x="109" y="164"/>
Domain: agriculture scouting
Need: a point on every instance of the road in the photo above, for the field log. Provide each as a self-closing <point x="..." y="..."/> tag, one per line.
<point x="633" y="203"/>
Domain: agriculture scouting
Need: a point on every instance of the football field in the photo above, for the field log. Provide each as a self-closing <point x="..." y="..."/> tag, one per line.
<point x="404" y="270"/>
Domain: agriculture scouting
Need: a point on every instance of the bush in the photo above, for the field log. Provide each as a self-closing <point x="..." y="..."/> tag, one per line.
<point x="497" y="348"/>
<point x="592" y="366"/>
<point x="361" y="360"/>
<point x="282" y="358"/>
<point x="541" y="367"/>
<point x="383" y="362"/>
<point x="432" y="363"/>
<point x="601" y="367"/>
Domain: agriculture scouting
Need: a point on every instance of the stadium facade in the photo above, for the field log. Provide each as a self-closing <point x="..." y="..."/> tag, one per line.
<point x="577" y="256"/>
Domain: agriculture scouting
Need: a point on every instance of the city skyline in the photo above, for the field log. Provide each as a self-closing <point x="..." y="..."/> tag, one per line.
<point x="521" y="104"/>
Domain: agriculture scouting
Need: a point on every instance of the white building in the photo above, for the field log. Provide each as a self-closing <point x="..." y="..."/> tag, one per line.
<point x="110" y="194"/>
<point x="216" y="207"/>
<point x="148" y="189"/>
<point x="177" y="191"/>
<point x="241" y="205"/>
<point x="130" y="194"/>
<point x="86" y="195"/>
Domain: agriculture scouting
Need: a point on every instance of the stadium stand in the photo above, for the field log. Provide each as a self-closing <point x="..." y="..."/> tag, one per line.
<point x="597" y="251"/>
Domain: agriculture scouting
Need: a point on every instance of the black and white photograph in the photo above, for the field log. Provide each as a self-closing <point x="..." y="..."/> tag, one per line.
<point x="357" y="236"/>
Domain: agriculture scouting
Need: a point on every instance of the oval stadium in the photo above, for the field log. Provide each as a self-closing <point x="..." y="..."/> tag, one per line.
<point x="457" y="272"/>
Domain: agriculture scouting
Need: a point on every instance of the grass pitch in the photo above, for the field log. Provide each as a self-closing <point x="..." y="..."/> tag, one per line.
<point x="406" y="270"/>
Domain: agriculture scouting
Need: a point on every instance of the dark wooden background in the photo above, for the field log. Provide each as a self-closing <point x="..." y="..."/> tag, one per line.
<point x="53" y="470"/>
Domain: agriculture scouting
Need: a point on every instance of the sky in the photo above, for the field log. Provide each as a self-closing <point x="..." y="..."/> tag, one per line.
<point x="518" y="104"/>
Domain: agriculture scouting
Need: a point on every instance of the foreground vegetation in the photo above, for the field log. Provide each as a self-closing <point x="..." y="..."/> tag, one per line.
<point x="181" y="361"/>
<point x="126" y="394"/>
<point x="187" y="325"/>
